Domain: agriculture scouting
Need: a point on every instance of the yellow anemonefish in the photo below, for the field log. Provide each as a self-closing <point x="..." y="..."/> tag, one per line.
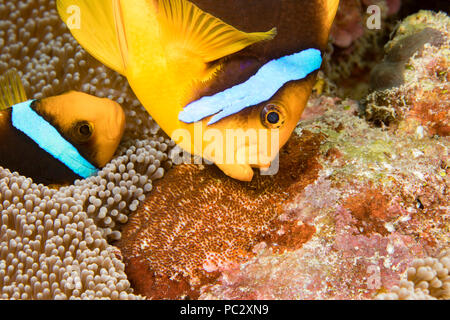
<point x="212" y="71"/>
<point x="57" y="139"/>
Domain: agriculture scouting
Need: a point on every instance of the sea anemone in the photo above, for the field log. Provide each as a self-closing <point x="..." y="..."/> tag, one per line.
<point x="54" y="241"/>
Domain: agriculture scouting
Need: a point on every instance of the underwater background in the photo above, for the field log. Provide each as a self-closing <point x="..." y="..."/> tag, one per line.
<point x="358" y="210"/>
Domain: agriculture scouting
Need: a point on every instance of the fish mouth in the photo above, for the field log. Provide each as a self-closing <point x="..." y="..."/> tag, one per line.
<point x="255" y="158"/>
<point x="242" y="168"/>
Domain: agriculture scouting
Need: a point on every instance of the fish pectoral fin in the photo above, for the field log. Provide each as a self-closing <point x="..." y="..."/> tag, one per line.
<point x="11" y="90"/>
<point x="201" y="33"/>
<point x="241" y="172"/>
<point x="98" y="27"/>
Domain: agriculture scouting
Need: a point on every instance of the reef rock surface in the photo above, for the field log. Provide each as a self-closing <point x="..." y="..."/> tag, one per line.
<point x="360" y="204"/>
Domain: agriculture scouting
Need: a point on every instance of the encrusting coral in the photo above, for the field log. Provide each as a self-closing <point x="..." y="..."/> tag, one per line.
<point x="54" y="241"/>
<point x="419" y="100"/>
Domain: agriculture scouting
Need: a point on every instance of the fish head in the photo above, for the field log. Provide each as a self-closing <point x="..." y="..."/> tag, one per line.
<point x="253" y="137"/>
<point x="93" y="125"/>
<point x="263" y="88"/>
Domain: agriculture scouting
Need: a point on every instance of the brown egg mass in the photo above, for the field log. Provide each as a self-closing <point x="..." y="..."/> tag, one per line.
<point x="200" y="222"/>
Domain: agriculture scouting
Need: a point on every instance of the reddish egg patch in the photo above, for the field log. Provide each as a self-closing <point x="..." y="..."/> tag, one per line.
<point x="371" y="209"/>
<point x="198" y="222"/>
<point x="160" y="286"/>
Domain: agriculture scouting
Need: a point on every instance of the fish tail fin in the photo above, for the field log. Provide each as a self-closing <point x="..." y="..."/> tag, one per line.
<point x="98" y="27"/>
<point x="12" y="91"/>
<point x="201" y="33"/>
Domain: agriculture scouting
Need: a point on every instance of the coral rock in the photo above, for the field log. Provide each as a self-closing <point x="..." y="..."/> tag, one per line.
<point x="389" y="73"/>
<point x="377" y="204"/>
<point x="412" y="84"/>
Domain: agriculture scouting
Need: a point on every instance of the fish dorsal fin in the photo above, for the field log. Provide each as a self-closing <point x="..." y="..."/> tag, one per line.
<point x="98" y="27"/>
<point x="203" y="34"/>
<point x="11" y="90"/>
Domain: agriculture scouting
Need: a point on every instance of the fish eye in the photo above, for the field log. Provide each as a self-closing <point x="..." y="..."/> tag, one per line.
<point x="272" y="116"/>
<point x="83" y="130"/>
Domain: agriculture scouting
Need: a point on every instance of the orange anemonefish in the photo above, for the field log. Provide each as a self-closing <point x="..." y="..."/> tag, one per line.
<point x="209" y="70"/>
<point x="58" y="139"/>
